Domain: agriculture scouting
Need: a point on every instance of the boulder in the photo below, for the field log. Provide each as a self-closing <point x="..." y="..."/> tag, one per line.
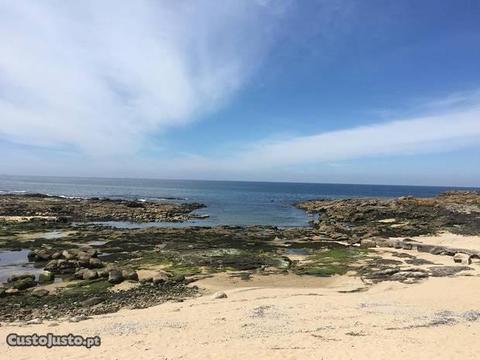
<point x="426" y="248"/>
<point x="280" y="262"/>
<point x="39" y="255"/>
<point x="115" y="276"/>
<point x="56" y="255"/>
<point x="62" y="266"/>
<point x="176" y="278"/>
<point x="381" y="242"/>
<point x="95" y="263"/>
<point x="42" y="255"/>
<point x="31" y="256"/>
<point x="2" y="292"/>
<point x="407" y="245"/>
<point x="440" y="271"/>
<point x="392" y="243"/>
<point x="462" y="258"/>
<point x="70" y="254"/>
<point x="52" y="265"/>
<point x="91" y="252"/>
<point x="83" y="258"/>
<point x="46" y="277"/>
<point x="368" y="243"/>
<point x="403" y="275"/>
<point x="102" y="273"/>
<point x="89" y="274"/>
<point x="130" y="275"/>
<point x="40" y="292"/>
<point x="11" y="291"/>
<point x="160" y="278"/>
<point x="23" y="284"/>
<point x="79" y="273"/>
<point x="16" y="277"/>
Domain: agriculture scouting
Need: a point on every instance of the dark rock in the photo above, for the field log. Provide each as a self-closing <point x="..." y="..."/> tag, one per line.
<point x="23" y="284"/>
<point x="439" y="271"/>
<point x="130" y="275"/>
<point x="42" y="255"/>
<point x="160" y="278"/>
<point x="115" y="276"/>
<point x="177" y="278"/>
<point x="16" y="277"/>
<point x="62" y="266"/>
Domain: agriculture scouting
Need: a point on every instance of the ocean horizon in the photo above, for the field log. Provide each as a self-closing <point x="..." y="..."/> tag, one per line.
<point x="228" y="202"/>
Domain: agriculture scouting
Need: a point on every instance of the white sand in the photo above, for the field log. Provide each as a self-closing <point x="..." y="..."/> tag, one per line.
<point x="451" y="240"/>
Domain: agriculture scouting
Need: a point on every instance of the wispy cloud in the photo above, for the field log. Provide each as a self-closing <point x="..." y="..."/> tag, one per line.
<point x="99" y="75"/>
<point x="428" y="134"/>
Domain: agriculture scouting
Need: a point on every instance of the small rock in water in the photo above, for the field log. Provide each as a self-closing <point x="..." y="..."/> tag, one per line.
<point x="219" y="295"/>
<point x="16" y="277"/>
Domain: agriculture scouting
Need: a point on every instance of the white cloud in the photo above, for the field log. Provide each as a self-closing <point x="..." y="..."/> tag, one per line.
<point x="99" y="75"/>
<point x="431" y="134"/>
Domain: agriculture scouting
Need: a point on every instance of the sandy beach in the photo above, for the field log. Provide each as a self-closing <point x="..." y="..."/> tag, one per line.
<point x="288" y="317"/>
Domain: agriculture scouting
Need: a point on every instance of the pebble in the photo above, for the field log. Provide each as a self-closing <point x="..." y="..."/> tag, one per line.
<point x="219" y="295"/>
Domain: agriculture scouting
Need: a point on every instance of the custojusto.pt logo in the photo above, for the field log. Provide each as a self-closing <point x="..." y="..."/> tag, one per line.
<point x="50" y="340"/>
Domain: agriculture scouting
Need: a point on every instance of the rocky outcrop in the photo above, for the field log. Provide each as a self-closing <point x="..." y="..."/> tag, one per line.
<point x="60" y="209"/>
<point x="354" y="219"/>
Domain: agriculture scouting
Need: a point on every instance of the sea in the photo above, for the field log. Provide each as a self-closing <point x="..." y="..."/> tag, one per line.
<point x="228" y="202"/>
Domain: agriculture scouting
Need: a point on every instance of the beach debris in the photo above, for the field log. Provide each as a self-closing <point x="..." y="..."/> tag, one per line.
<point x="78" y="318"/>
<point x="219" y="295"/>
<point x="36" y="321"/>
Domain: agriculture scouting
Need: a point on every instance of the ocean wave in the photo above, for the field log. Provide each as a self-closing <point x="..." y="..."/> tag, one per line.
<point x="168" y="198"/>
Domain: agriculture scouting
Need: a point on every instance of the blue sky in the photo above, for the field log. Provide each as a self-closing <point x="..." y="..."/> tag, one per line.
<point x="317" y="91"/>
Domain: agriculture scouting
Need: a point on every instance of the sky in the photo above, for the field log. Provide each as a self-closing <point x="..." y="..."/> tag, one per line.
<point x="337" y="91"/>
